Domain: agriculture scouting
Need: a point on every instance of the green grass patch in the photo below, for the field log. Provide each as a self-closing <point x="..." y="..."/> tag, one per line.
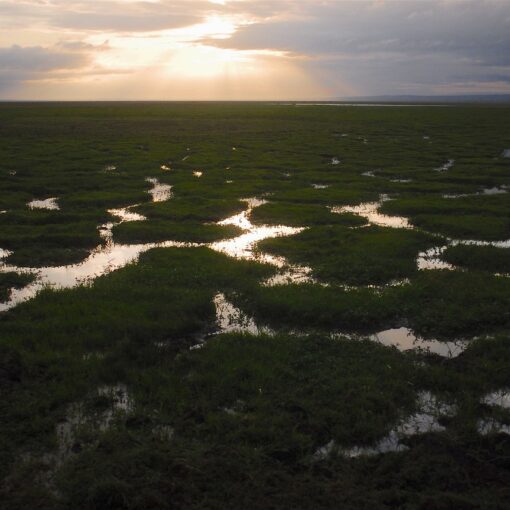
<point x="300" y="215"/>
<point x="371" y="255"/>
<point x="479" y="258"/>
<point x="162" y="230"/>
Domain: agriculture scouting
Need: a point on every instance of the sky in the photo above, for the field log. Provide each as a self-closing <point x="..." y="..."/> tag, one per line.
<point x="251" y="49"/>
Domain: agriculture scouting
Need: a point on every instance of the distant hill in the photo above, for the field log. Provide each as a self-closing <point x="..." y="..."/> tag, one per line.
<point x="474" y="98"/>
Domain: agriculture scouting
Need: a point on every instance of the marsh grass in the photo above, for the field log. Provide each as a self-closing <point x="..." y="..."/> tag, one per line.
<point x="9" y="281"/>
<point x="371" y="255"/>
<point x="479" y="258"/>
<point x="248" y="413"/>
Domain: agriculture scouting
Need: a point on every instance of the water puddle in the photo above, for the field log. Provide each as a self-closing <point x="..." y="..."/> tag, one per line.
<point x="431" y="259"/>
<point x="185" y="158"/>
<point x="335" y="161"/>
<point x="506" y="153"/>
<point x="486" y="191"/>
<point x="495" y="190"/>
<point x="404" y="339"/>
<point x="446" y="166"/>
<point x="424" y="421"/>
<point x="110" y="168"/>
<point x="102" y="260"/>
<point x="491" y="426"/>
<point x="242" y="247"/>
<point x="370" y="173"/>
<point x="159" y="192"/>
<point x="320" y="186"/>
<point x="500" y="398"/>
<point x="119" y="403"/>
<point x="165" y="168"/>
<point x="112" y="256"/>
<point x="474" y="242"/>
<point x="48" y="203"/>
<point x="123" y="214"/>
<point x="291" y="275"/>
<point x="230" y="319"/>
<point x="402" y="181"/>
<point x="198" y="174"/>
<point x="369" y="211"/>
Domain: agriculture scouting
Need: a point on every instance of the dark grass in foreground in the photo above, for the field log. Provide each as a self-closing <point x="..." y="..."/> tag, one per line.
<point x="247" y="414"/>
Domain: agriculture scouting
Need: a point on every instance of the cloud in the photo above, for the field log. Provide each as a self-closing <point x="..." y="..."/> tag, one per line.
<point x="38" y="59"/>
<point x="20" y="64"/>
<point x="104" y="15"/>
<point x="362" y="46"/>
<point x="387" y="46"/>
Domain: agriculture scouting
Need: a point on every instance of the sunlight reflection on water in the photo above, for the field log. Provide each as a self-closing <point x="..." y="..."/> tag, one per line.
<point x="112" y="256"/>
<point x="370" y="211"/>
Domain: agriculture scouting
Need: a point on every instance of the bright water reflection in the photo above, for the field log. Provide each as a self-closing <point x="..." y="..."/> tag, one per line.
<point x="159" y="192"/>
<point x="112" y="256"/>
<point x="370" y="211"/>
<point x="48" y="203"/>
<point x="405" y="339"/>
